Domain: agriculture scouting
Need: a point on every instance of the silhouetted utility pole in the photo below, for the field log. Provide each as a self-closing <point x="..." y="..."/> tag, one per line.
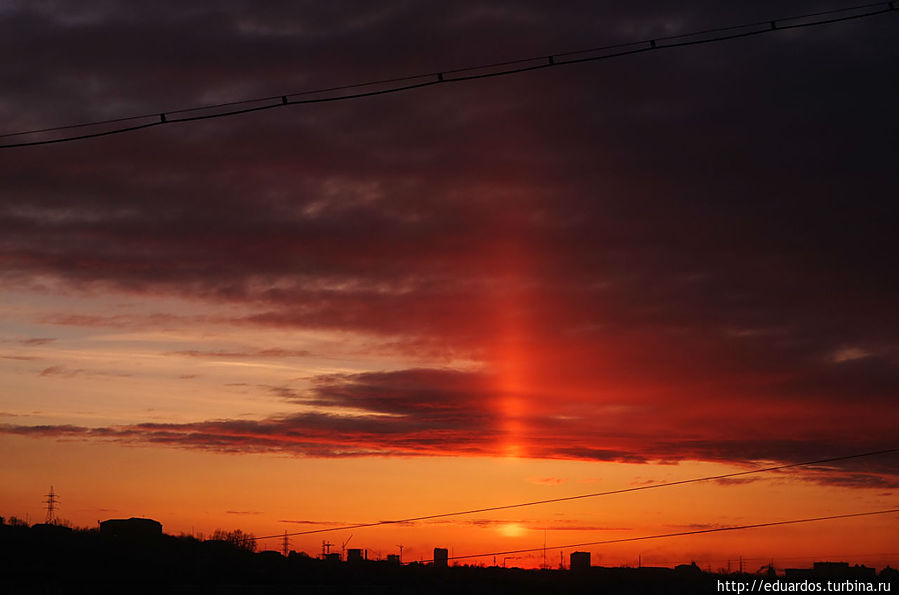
<point x="401" y="546"/>
<point x="51" y="502"/>
<point x="544" y="549"/>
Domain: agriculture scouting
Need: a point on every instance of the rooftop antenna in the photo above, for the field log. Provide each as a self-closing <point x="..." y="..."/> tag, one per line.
<point x="401" y="552"/>
<point x="343" y="547"/>
<point x="285" y="545"/>
<point x="51" y="501"/>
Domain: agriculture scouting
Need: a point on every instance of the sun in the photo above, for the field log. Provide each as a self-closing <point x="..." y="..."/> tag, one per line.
<point x="512" y="529"/>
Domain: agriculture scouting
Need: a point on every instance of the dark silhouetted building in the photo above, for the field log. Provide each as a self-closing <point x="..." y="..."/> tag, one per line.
<point x="688" y="568"/>
<point x="393" y="558"/>
<point x="831" y="568"/>
<point x="889" y="574"/>
<point x="579" y="561"/>
<point x="133" y="528"/>
<point x="842" y="570"/>
<point x="441" y="557"/>
<point x="798" y="574"/>
<point x="356" y="555"/>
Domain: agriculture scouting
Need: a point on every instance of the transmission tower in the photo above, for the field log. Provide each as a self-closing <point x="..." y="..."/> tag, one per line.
<point x="51" y="502"/>
<point x="285" y="545"/>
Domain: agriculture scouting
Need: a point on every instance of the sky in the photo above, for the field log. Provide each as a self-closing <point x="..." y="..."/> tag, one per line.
<point x="669" y="265"/>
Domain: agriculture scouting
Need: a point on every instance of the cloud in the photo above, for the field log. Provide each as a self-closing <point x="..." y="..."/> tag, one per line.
<point x="308" y="522"/>
<point x="60" y="371"/>
<point x="551" y="481"/>
<point x="575" y="527"/>
<point x="854" y="480"/>
<point x="636" y="273"/>
<point x="71" y="373"/>
<point x="848" y="354"/>
<point x="36" y="341"/>
<point x="736" y="481"/>
<point x="698" y="526"/>
<point x="50" y="431"/>
<point x="443" y="412"/>
<point x="274" y="353"/>
<point x="154" y="320"/>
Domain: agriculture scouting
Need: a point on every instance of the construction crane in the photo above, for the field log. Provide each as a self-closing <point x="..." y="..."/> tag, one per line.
<point x="343" y="547"/>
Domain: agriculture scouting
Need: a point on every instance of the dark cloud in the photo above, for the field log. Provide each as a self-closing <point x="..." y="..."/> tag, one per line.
<point x="857" y="480"/>
<point x="307" y="522"/>
<point x="72" y="372"/>
<point x="60" y="371"/>
<point x="735" y="481"/>
<point x="693" y="249"/>
<point x="35" y="341"/>
<point x="448" y="413"/>
<point x="50" y="431"/>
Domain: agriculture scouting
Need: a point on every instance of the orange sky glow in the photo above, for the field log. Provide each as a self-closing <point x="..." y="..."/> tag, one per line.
<point x="247" y="483"/>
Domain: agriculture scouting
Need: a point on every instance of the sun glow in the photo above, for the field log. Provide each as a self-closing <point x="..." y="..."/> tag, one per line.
<point x="512" y="529"/>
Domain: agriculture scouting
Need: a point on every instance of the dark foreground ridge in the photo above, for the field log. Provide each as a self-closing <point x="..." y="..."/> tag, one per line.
<point x="135" y="556"/>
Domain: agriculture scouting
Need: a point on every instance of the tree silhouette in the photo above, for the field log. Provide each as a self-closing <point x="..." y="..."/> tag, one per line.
<point x="237" y="538"/>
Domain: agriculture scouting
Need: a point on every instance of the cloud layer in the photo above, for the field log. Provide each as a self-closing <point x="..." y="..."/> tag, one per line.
<point x="686" y="255"/>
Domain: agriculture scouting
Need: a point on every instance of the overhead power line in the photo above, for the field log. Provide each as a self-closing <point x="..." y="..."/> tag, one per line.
<point x="681" y="534"/>
<point x="482" y="71"/>
<point x="590" y="495"/>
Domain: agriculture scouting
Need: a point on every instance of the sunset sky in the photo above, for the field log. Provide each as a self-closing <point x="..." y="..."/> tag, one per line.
<point x="669" y="265"/>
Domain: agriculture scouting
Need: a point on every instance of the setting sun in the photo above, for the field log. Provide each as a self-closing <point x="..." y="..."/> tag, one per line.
<point x="512" y="530"/>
